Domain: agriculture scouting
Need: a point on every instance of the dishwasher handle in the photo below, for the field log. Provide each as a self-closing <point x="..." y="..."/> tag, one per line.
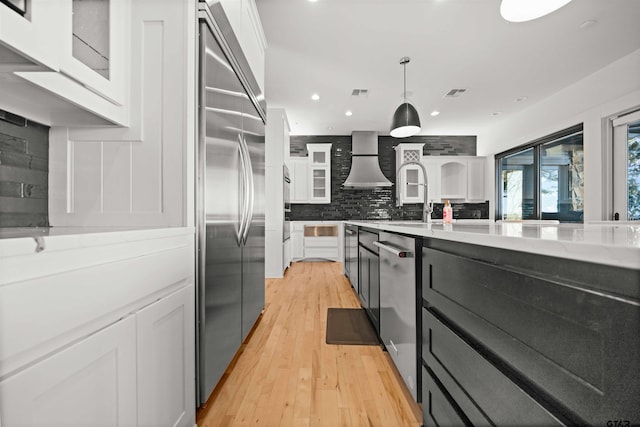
<point x="399" y="252"/>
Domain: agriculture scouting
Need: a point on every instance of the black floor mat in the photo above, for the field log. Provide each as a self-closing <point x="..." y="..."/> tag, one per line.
<point x="350" y="326"/>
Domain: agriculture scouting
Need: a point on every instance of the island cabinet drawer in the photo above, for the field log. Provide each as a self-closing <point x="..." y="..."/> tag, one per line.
<point x="484" y="394"/>
<point x="438" y="409"/>
<point x="565" y="339"/>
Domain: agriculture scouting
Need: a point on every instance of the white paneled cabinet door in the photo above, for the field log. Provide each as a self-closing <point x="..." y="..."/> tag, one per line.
<point x="165" y="333"/>
<point x="299" y="170"/>
<point x="92" y="382"/>
<point x="475" y="179"/>
<point x="432" y="164"/>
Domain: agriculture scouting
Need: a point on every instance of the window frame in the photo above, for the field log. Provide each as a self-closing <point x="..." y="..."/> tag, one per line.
<point x="536" y="145"/>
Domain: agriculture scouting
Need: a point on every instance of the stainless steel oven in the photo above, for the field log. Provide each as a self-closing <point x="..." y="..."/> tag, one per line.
<point x="286" y="232"/>
<point x="286" y="182"/>
<point x="286" y="189"/>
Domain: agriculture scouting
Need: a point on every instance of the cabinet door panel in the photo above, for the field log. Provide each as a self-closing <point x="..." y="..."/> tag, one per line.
<point x="165" y="333"/>
<point x="475" y="180"/>
<point x="576" y="344"/>
<point x="479" y="388"/>
<point x="363" y="276"/>
<point x="299" y="180"/>
<point x="437" y="408"/>
<point x="93" y="382"/>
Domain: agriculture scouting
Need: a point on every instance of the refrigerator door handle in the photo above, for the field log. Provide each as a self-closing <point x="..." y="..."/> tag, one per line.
<point x="244" y="197"/>
<point x="251" y="192"/>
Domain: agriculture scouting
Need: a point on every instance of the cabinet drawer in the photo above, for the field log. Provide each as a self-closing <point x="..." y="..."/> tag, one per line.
<point x="313" y="252"/>
<point x="437" y="408"/>
<point x="484" y="394"/>
<point x="366" y="239"/>
<point x="544" y="320"/>
<point x="321" y="242"/>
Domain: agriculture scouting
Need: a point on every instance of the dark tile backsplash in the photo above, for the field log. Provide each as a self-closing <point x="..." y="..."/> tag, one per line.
<point x="379" y="203"/>
<point x="24" y="174"/>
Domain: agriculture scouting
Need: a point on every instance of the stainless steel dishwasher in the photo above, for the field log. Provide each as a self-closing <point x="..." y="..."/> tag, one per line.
<point x="398" y="304"/>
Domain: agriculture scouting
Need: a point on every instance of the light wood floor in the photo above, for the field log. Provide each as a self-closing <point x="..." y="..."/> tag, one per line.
<point x="286" y="375"/>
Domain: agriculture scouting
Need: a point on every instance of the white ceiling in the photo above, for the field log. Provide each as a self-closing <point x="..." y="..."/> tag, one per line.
<point x="331" y="47"/>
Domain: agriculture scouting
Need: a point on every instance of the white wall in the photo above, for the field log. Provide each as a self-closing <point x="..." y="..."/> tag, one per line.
<point x="611" y="90"/>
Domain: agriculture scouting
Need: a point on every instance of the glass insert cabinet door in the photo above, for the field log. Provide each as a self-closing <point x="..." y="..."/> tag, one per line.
<point x="626" y="167"/>
<point x="319" y="183"/>
<point x="90" y="33"/>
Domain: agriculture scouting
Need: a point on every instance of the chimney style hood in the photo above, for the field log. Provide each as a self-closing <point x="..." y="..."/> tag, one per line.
<point x="365" y="170"/>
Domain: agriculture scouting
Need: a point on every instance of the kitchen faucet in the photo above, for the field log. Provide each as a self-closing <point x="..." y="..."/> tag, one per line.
<point x="427" y="207"/>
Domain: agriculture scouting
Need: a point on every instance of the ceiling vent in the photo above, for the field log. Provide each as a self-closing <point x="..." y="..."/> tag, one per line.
<point x="360" y="92"/>
<point x="454" y="93"/>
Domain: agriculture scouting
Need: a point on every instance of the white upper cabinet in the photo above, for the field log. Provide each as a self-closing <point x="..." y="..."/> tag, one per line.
<point x="66" y="62"/>
<point x="33" y="36"/>
<point x="319" y="173"/>
<point x="458" y="178"/>
<point x="453" y="179"/>
<point x="299" y="170"/>
<point x="245" y="21"/>
<point x="311" y="175"/>
<point x="476" y="179"/>
<point x="409" y="188"/>
<point x="94" y="49"/>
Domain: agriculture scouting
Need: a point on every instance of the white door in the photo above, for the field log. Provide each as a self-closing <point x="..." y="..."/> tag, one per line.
<point x="626" y="167"/>
<point x="91" y="383"/>
<point x="165" y="332"/>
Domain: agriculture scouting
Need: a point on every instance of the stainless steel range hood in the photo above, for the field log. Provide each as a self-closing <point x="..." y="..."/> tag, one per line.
<point x="365" y="170"/>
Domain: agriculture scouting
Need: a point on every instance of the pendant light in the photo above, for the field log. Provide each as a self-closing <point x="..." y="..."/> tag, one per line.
<point x="405" y="120"/>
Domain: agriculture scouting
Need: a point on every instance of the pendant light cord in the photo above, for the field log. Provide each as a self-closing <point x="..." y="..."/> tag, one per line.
<point x="404" y="60"/>
<point x="404" y="94"/>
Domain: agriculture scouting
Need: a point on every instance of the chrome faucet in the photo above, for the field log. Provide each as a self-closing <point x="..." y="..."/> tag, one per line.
<point x="427" y="207"/>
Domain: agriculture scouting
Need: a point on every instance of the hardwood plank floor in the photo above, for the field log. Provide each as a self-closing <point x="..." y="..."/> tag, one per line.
<point x="286" y="375"/>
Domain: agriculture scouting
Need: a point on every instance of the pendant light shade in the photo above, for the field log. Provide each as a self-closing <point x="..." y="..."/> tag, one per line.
<point x="406" y="121"/>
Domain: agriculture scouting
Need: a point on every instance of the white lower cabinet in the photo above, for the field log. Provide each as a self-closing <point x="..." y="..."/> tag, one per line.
<point x="91" y="382"/>
<point x="165" y="344"/>
<point x="138" y="371"/>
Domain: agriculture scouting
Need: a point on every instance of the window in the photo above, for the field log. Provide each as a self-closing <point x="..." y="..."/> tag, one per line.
<point x="543" y="179"/>
<point x="626" y="167"/>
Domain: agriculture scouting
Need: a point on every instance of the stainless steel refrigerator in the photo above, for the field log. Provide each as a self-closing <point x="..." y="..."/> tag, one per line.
<point x="230" y="199"/>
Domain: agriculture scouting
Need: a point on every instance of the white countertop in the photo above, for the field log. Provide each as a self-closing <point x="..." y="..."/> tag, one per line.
<point x="600" y="243"/>
<point x="22" y="241"/>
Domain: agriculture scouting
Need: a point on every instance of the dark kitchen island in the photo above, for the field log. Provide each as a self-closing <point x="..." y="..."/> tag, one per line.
<point x="522" y="323"/>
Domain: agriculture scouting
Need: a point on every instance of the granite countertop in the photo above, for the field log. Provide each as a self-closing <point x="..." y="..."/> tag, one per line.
<point x="601" y="243"/>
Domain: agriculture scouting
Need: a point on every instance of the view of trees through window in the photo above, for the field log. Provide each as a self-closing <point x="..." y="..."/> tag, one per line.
<point x="543" y="179"/>
<point x="633" y="172"/>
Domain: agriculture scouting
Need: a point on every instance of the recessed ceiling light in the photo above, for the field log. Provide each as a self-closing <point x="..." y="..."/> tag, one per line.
<point x="348" y="113"/>
<point x="315" y="96"/>
<point x="522" y="98"/>
<point x="527" y="10"/>
<point x="435" y="113"/>
<point x="313" y="1"/>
